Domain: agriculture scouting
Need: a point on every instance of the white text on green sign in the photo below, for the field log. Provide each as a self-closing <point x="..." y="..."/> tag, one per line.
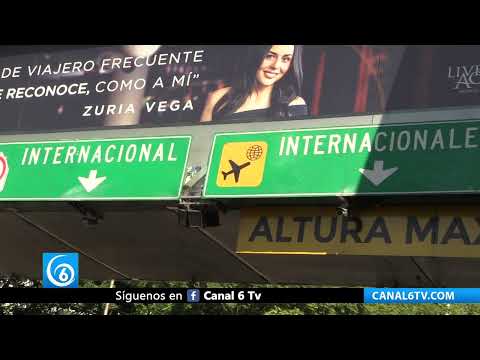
<point x="132" y="168"/>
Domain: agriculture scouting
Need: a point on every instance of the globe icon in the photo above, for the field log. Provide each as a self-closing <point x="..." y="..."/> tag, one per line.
<point x="254" y="152"/>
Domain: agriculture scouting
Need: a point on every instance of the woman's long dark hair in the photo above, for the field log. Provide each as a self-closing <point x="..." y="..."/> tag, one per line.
<point x="284" y="91"/>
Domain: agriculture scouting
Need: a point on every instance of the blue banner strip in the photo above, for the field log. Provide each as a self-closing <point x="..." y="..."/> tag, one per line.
<point x="421" y="295"/>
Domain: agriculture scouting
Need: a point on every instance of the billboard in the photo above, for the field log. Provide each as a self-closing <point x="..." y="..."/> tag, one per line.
<point x="174" y="85"/>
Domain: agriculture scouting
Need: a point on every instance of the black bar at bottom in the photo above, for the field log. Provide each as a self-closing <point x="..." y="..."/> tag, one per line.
<point x="183" y="295"/>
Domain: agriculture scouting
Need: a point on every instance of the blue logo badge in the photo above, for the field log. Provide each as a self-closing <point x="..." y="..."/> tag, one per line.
<point x="60" y="270"/>
<point x="193" y="295"/>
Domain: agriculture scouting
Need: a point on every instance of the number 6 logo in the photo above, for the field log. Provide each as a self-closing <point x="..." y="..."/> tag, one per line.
<point x="3" y="170"/>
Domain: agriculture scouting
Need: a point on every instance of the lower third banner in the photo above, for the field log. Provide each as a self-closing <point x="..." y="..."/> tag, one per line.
<point x="243" y="295"/>
<point x="183" y="295"/>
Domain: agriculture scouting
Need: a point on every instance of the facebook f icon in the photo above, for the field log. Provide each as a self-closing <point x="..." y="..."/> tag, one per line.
<point x="193" y="295"/>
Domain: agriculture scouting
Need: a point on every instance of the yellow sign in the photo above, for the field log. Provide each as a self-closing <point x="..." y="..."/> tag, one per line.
<point x="242" y="164"/>
<point x="393" y="231"/>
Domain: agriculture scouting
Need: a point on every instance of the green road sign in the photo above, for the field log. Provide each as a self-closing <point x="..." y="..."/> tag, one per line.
<point x="439" y="157"/>
<point x="113" y="169"/>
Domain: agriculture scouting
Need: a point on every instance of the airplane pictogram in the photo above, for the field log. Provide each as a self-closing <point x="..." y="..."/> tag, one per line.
<point x="235" y="170"/>
<point x="245" y="160"/>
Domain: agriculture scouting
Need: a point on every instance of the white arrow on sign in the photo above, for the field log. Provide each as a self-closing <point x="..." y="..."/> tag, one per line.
<point x="92" y="181"/>
<point x="377" y="175"/>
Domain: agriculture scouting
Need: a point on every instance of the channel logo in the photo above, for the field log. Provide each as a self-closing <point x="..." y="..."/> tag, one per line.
<point x="193" y="295"/>
<point x="60" y="270"/>
<point x="242" y="164"/>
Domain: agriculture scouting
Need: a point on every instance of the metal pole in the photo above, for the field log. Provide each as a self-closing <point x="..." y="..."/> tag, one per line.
<point x="209" y="236"/>
<point x="66" y="243"/>
<point x="107" y="305"/>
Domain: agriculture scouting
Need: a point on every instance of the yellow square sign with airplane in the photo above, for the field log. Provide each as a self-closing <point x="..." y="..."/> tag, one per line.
<point x="242" y="164"/>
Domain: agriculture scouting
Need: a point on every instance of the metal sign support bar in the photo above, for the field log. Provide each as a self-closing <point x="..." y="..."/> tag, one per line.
<point x="193" y="214"/>
<point x="66" y="243"/>
<point x="230" y="252"/>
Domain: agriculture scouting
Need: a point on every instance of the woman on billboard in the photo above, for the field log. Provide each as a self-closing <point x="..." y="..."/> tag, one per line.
<point x="267" y="88"/>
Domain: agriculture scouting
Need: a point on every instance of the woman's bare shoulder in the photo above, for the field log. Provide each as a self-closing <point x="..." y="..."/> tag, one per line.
<point x="297" y="101"/>
<point x="218" y="94"/>
<point x="212" y="100"/>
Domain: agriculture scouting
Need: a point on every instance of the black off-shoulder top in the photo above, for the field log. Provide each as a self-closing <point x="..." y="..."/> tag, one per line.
<point x="294" y="111"/>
